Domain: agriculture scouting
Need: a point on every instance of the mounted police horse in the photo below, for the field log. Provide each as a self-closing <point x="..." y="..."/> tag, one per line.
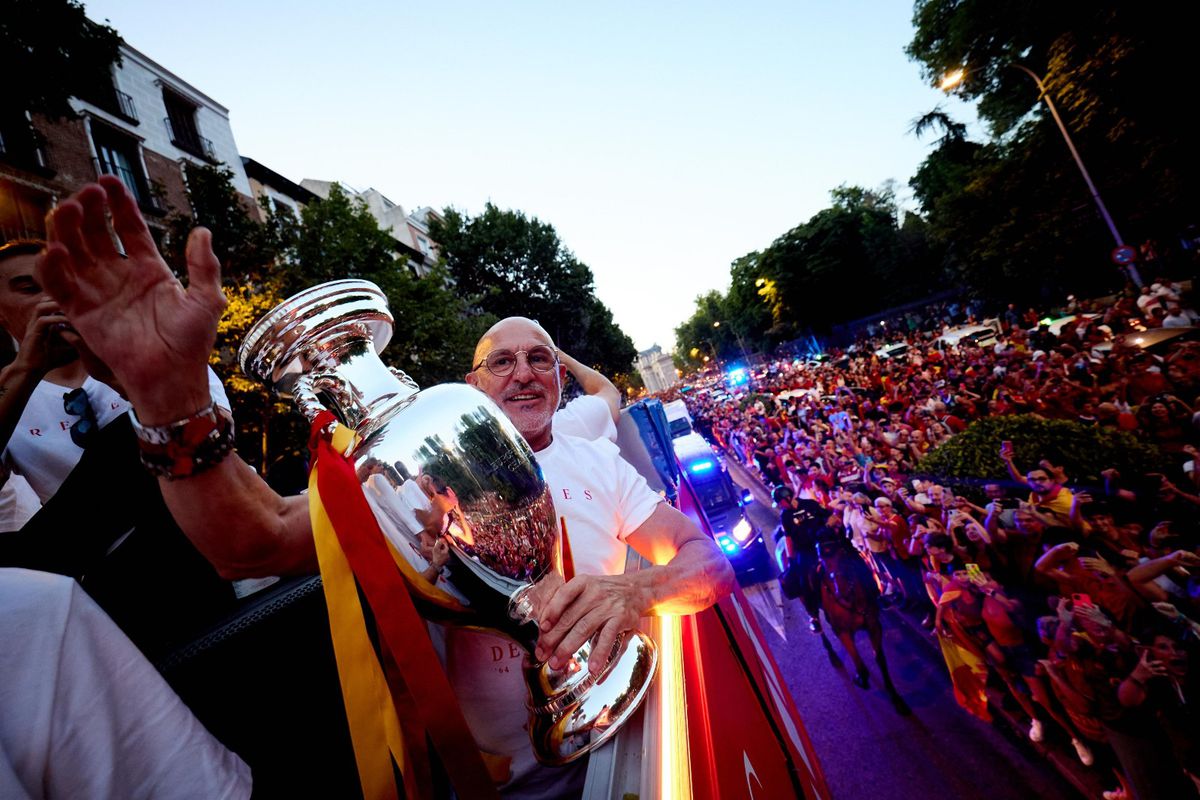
<point x="850" y="601"/>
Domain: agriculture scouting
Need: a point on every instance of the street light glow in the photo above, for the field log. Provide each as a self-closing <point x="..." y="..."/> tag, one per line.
<point x="952" y="79"/>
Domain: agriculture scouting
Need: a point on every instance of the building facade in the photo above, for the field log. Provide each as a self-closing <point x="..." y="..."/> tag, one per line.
<point x="410" y="231"/>
<point x="273" y="192"/>
<point x="657" y="369"/>
<point x="143" y="129"/>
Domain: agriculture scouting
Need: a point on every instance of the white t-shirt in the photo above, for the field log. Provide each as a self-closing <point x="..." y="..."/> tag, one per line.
<point x="84" y="714"/>
<point x="587" y="417"/>
<point x="18" y="503"/>
<point x="41" y="449"/>
<point x="603" y="500"/>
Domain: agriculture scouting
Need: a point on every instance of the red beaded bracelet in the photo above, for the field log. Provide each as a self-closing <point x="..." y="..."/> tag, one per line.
<point x="187" y="447"/>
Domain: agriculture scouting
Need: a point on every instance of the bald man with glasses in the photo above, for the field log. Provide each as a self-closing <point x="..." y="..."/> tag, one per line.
<point x="157" y="337"/>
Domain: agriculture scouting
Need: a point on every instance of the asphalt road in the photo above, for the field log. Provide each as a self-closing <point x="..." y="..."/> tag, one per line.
<point x="866" y="749"/>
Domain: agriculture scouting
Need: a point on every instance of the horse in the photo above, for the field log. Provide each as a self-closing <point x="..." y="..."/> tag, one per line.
<point x="850" y="602"/>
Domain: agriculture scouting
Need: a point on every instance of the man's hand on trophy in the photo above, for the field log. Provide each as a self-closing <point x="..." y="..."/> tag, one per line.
<point x="129" y="307"/>
<point x="604" y="606"/>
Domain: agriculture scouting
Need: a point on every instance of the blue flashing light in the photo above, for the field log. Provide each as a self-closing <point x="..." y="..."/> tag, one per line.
<point x="702" y="466"/>
<point x="727" y="544"/>
<point x="737" y="376"/>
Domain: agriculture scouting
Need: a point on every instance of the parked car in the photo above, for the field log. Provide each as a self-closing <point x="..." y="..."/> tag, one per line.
<point x="1055" y="326"/>
<point x="896" y="351"/>
<point x="1155" y="340"/>
<point x="964" y="335"/>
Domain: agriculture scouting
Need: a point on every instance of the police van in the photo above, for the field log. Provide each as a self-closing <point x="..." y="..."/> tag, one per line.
<point x="723" y="505"/>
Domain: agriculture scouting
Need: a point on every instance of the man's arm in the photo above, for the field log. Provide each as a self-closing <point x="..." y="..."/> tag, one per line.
<point x="156" y="337"/>
<point x="41" y="351"/>
<point x="689" y="574"/>
<point x="1006" y="455"/>
<point x="595" y="384"/>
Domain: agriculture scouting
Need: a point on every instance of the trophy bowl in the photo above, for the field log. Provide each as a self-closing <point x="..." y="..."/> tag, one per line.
<point x="446" y="464"/>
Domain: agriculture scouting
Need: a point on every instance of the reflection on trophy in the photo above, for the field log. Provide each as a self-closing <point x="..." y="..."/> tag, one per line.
<point x="446" y="465"/>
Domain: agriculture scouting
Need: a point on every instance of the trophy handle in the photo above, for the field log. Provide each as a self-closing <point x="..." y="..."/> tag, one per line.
<point x="402" y="376"/>
<point x="307" y="391"/>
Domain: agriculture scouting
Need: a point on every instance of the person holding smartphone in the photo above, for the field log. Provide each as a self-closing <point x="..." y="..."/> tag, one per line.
<point x="1046" y="489"/>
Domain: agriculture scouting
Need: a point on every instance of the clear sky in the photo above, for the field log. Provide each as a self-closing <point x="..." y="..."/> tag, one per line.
<point x="661" y="139"/>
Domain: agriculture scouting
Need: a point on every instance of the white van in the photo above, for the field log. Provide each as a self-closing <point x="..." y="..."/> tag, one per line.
<point x="678" y="418"/>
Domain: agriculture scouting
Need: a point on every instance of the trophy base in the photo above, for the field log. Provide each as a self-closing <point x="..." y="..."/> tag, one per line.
<point x="584" y="714"/>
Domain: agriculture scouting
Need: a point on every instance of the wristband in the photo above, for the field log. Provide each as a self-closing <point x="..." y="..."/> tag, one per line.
<point x="188" y="446"/>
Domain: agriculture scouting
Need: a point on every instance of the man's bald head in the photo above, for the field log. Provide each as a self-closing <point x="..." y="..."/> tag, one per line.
<point x="504" y="327"/>
<point x="528" y="395"/>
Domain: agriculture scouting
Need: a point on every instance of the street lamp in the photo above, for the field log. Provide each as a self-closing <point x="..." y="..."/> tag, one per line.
<point x="954" y="78"/>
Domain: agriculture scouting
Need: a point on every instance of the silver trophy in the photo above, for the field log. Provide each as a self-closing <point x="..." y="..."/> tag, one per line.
<point x="447" y="464"/>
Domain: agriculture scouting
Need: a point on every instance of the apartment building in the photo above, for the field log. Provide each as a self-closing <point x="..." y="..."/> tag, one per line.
<point x="410" y="231"/>
<point x="142" y="128"/>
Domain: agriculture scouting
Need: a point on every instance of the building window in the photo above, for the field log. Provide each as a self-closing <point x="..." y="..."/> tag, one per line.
<point x="423" y="245"/>
<point x="20" y="145"/>
<point x="181" y="125"/>
<point x="283" y="208"/>
<point x="117" y="154"/>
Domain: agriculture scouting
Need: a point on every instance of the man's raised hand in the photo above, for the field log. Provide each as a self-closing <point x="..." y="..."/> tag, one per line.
<point x="130" y="309"/>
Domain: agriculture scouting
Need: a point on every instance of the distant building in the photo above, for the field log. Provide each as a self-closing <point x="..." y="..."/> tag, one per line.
<point x="410" y="232"/>
<point x="142" y="129"/>
<point x="273" y="192"/>
<point x="657" y="369"/>
<point x="418" y="228"/>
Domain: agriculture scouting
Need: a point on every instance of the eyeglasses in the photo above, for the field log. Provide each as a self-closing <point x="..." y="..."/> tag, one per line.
<point x="500" y="363"/>
<point x="75" y="403"/>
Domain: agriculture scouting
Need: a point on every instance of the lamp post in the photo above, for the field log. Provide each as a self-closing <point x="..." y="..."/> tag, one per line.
<point x="741" y="344"/>
<point x="954" y="78"/>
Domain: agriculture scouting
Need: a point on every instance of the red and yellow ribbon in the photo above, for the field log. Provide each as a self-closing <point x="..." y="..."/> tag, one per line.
<point x="352" y="549"/>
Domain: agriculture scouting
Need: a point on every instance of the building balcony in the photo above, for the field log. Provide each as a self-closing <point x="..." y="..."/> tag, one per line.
<point x="125" y="107"/>
<point x="189" y="140"/>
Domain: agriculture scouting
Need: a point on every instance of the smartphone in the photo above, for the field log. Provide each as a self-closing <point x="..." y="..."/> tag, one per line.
<point x="975" y="574"/>
<point x="1082" y="601"/>
<point x="1006" y="444"/>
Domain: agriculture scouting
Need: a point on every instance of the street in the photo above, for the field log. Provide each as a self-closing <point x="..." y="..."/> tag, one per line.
<point x="866" y="748"/>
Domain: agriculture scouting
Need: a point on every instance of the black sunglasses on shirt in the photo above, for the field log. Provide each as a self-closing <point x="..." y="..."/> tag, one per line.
<point x="83" y="431"/>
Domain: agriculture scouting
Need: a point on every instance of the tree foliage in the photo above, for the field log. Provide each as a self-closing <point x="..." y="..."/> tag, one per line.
<point x="972" y="457"/>
<point x="50" y="51"/>
<point x="849" y="260"/>
<point x="246" y="249"/>
<point x="1015" y="209"/>
<point x="518" y="266"/>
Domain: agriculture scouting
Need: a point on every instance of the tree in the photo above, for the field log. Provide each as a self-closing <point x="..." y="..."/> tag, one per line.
<point x="337" y="238"/>
<point x="1021" y="211"/>
<point x="519" y="267"/>
<point x="50" y="51"/>
<point x="247" y="250"/>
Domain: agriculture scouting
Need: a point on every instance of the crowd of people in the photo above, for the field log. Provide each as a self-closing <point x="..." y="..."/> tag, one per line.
<point x="1075" y="601"/>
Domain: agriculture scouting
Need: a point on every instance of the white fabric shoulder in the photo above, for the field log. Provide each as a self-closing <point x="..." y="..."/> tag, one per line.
<point x="587" y="417"/>
<point x="86" y="715"/>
